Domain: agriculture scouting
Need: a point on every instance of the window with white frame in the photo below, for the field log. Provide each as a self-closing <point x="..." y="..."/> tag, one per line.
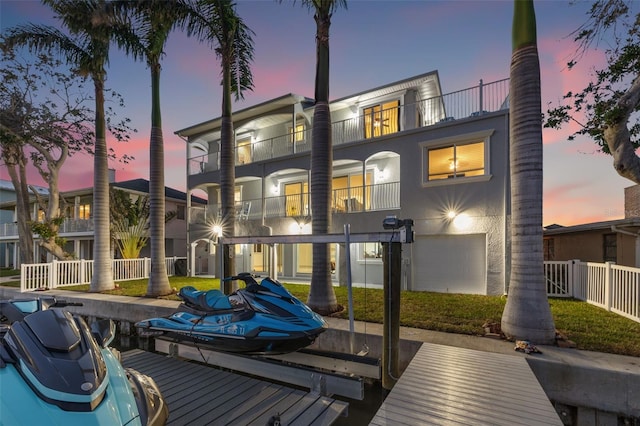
<point x="457" y="158"/>
<point x="297" y="133"/>
<point x="371" y="251"/>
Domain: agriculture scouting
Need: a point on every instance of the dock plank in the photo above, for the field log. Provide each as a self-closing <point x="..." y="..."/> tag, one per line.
<point x="450" y="385"/>
<point x="200" y="395"/>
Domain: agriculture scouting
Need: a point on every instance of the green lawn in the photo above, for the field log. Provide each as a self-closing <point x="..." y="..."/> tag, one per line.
<point x="590" y="327"/>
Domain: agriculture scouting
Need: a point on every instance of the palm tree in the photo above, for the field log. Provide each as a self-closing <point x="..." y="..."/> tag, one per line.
<point x="216" y="22"/>
<point x="146" y="28"/>
<point x="86" y="49"/>
<point x="322" y="297"/>
<point x="527" y="315"/>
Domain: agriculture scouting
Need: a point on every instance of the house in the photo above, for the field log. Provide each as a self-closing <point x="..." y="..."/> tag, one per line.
<point x="7" y="220"/>
<point x="402" y="149"/>
<point x="615" y="241"/>
<point x="77" y="228"/>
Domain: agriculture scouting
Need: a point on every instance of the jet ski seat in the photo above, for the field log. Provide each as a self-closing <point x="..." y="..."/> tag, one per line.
<point x="209" y="300"/>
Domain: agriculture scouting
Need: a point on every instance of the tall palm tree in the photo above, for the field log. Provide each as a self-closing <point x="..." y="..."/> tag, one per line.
<point x="86" y="49"/>
<point x="146" y="25"/>
<point x="216" y="22"/>
<point x="527" y="315"/>
<point x="322" y="297"/>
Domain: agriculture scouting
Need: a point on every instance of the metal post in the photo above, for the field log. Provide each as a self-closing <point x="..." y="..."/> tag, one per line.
<point x="347" y="230"/>
<point x="392" y="260"/>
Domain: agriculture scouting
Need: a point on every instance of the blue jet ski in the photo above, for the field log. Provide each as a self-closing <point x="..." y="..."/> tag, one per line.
<point x="55" y="370"/>
<point x="260" y="318"/>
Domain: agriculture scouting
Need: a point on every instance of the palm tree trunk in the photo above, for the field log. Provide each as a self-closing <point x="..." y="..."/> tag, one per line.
<point x="227" y="176"/>
<point x="527" y="315"/>
<point x="322" y="298"/>
<point x="102" y="278"/>
<point x="158" y="280"/>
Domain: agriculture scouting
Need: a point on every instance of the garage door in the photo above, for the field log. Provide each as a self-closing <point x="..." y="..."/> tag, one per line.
<point x="451" y="263"/>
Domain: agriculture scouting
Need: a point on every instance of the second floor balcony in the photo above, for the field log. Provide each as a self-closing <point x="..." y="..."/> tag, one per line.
<point x="384" y="196"/>
<point x="68" y="227"/>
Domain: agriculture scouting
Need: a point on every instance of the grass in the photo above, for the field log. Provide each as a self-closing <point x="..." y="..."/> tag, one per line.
<point x="8" y="272"/>
<point x="590" y="327"/>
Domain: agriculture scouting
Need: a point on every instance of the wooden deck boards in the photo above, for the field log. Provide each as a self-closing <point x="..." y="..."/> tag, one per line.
<point x="201" y="395"/>
<point x="445" y="385"/>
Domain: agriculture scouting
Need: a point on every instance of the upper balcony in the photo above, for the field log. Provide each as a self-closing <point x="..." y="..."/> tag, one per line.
<point x="382" y="120"/>
<point x="68" y="228"/>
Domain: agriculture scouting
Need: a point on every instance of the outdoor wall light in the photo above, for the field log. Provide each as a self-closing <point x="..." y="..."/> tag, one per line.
<point x="451" y="214"/>
<point x="217" y="230"/>
<point x="275" y="189"/>
<point x="462" y="221"/>
<point x="381" y="174"/>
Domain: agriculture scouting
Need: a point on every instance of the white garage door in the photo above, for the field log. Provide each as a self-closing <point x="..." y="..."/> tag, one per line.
<point x="450" y="264"/>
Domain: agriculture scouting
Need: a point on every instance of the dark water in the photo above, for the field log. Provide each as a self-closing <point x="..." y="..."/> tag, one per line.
<point x="360" y="413"/>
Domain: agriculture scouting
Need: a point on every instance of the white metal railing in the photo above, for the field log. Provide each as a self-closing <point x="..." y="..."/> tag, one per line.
<point x="380" y="196"/>
<point x="607" y="285"/>
<point x="76" y="272"/>
<point x="470" y="102"/>
<point x="68" y="226"/>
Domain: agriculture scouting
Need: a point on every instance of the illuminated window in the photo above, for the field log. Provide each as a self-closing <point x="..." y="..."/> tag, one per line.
<point x="350" y="193"/>
<point x="298" y="134"/>
<point x="457" y="158"/>
<point x="370" y="251"/>
<point x="243" y="151"/>
<point x="296" y="199"/>
<point x="84" y="211"/>
<point x="382" y="119"/>
<point x="456" y="161"/>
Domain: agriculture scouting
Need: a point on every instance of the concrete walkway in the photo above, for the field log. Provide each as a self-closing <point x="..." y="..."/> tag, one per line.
<point x="604" y="382"/>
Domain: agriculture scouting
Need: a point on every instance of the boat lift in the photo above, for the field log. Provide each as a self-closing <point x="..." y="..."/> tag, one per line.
<point x="398" y="231"/>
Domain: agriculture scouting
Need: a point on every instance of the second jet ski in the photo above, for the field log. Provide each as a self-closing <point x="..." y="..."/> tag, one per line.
<point x="261" y="318"/>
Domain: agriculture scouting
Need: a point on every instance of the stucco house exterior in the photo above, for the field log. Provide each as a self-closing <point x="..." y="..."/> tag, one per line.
<point x="402" y="149"/>
<point x="77" y="228"/>
<point x="615" y="241"/>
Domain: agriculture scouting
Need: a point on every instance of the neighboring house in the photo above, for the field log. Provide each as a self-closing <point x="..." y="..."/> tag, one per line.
<point x="402" y="149"/>
<point x="77" y="229"/>
<point x="7" y="220"/>
<point x="609" y="241"/>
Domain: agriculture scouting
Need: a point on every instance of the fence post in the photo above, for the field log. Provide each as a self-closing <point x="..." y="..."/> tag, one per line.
<point x="147" y="267"/>
<point x="23" y="278"/>
<point x="608" y="280"/>
<point x="82" y="271"/>
<point x="576" y="290"/>
<point x="53" y="274"/>
<point x="480" y="97"/>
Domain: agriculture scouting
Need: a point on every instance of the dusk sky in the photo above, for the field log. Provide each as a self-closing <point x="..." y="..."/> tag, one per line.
<point x="372" y="43"/>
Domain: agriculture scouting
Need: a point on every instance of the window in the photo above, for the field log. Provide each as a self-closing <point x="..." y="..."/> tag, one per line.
<point x="370" y="251"/>
<point x="84" y="211"/>
<point x="457" y="158"/>
<point x="297" y="135"/>
<point x="244" y="151"/>
<point x="296" y="199"/>
<point x="381" y="119"/>
<point x="456" y="161"/>
<point x="350" y="193"/>
<point x="610" y="249"/>
<point x="181" y="212"/>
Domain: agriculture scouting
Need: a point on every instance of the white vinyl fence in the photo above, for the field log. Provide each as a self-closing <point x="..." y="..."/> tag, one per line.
<point x="57" y="274"/>
<point x="607" y="285"/>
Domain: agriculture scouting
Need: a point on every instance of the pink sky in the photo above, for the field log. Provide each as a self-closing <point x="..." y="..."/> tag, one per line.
<point x="372" y="43"/>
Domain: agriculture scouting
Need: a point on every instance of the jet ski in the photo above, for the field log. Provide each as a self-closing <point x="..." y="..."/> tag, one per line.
<point x="261" y="318"/>
<point x="57" y="370"/>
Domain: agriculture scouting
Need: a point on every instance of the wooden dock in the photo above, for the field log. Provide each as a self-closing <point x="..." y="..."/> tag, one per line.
<point x="201" y="395"/>
<point x="457" y="386"/>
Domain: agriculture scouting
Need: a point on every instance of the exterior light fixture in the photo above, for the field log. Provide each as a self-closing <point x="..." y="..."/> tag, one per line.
<point x="451" y="214"/>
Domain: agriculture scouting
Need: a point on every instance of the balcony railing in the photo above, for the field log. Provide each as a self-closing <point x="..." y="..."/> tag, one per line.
<point x="383" y="196"/>
<point x="69" y="226"/>
<point x="470" y="102"/>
